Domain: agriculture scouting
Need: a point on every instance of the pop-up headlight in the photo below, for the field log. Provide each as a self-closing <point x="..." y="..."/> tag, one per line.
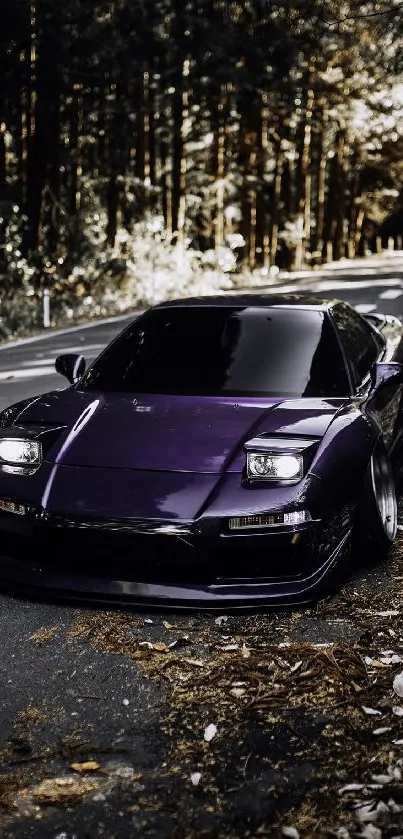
<point x="277" y="467"/>
<point x="19" y="452"/>
<point x="279" y="459"/>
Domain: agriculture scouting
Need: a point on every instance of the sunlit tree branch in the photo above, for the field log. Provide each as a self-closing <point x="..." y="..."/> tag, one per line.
<point x="363" y="16"/>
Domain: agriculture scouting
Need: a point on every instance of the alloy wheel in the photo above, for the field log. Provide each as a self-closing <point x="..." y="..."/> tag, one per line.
<point x="384" y="493"/>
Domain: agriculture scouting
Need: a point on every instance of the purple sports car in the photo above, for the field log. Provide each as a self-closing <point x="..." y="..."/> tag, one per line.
<point x="222" y="450"/>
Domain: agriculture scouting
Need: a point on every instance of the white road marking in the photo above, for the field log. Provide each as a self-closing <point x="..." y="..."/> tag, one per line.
<point x="330" y="285"/>
<point x="364" y="308"/>
<point x="77" y="349"/>
<point x="37" y="362"/>
<point x="391" y="294"/>
<point x="8" y="375"/>
<point x="54" y="333"/>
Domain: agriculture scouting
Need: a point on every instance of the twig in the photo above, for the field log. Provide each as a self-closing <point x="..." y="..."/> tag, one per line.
<point x="246" y="763"/>
<point x="338" y="21"/>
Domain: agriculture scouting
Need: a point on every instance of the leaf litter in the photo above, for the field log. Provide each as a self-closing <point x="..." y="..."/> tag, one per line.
<point x="266" y="678"/>
<point x="291" y="700"/>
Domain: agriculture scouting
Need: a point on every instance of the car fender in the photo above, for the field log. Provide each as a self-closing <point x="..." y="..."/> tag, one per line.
<point x="291" y="418"/>
<point x="344" y="453"/>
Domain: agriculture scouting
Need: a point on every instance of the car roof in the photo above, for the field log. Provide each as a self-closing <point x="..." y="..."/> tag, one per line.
<point x="259" y="299"/>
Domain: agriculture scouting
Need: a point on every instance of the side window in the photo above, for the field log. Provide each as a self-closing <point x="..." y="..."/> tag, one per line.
<point x="328" y="374"/>
<point x="357" y="338"/>
<point x="377" y="331"/>
<point x="380" y="341"/>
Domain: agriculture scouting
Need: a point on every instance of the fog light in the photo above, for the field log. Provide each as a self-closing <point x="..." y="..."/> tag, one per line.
<point x="275" y="467"/>
<point x="12" y="507"/>
<point x="269" y="520"/>
<point x="20" y="452"/>
<point x="296" y="518"/>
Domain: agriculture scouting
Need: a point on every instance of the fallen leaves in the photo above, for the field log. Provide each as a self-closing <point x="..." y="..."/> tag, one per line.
<point x="220" y="620"/>
<point x="30" y="716"/>
<point x="194" y="662"/>
<point x="210" y="732"/>
<point x="44" y="634"/>
<point x="62" y="791"/>
<point x="238" y="692"/>
<point x="86" y="766"/>
<point x="397" y="710"/>
<point x="370" y="710"/>
<point x="9" y="786"/>
<point x="160" y="647"/>
<point x="398" y="684"/>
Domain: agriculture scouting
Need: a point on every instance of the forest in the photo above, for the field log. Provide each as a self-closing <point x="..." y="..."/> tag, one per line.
<point x="149" y="148"/>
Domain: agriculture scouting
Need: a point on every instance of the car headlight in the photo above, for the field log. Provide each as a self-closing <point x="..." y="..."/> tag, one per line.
<point x="20" y="452"/>
<point x="275" y="466"/>
<point x="279" y="459"/>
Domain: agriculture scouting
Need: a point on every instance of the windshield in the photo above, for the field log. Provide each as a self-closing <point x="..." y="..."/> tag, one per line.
<point x="213" y="350"/>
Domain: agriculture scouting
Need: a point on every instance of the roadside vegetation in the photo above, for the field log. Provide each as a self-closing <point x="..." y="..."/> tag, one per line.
<point x="150" y="150"/>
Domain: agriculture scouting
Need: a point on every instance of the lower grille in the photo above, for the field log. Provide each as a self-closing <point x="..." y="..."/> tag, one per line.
<point x="105" y="554"/>
<point x="148" y="558"/>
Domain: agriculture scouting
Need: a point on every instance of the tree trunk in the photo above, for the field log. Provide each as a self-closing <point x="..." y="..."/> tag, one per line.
<point x="183" y="158"/>
<point x="164" y="148"/>
<point x="253" y="209"/>
<point x="140" y="107"/>
<point x="262" y="233"/>
<point x="178" y="104"/>
<point x="219" y="229"/>
<point x="275" y="213"/>
<point x="76" y="151"/>
<point x="342" y="153"/>
<point x="264" y="154"/>
<point x="146" y="128"/>
<point x="112" y="203"/>
<point x="353" y="210"/>
<point x="321" y="181"/>
<point x="304" y="204"/>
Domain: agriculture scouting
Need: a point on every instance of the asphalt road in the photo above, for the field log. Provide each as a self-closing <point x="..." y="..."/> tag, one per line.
<point x="79" y="685"/>
<point x="27" y="367"/>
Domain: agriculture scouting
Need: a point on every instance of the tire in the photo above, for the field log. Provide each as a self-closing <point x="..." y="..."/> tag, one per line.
<point x="376" y="522"/>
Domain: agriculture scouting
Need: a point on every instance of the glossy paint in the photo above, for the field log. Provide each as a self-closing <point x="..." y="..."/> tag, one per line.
<point x="122" y="468"/>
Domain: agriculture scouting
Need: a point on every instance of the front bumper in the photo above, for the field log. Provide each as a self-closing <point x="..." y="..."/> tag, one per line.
<point x="171" y="563"/>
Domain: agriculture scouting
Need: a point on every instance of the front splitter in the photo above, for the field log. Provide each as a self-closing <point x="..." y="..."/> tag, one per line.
<point x="219" y="593"/>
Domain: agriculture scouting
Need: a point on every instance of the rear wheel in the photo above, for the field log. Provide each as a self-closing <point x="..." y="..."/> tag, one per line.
<point x="377" y="514"/>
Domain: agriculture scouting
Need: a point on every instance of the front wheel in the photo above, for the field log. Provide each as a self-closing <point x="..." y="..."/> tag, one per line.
<point x="377" y="513"/>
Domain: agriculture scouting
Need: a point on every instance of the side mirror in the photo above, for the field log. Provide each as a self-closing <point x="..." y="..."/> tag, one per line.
<point x="386" y="373"/>
<point x="71" y="366"/>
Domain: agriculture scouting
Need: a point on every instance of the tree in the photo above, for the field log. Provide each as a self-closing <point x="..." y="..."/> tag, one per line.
<point x="240" y="122"/>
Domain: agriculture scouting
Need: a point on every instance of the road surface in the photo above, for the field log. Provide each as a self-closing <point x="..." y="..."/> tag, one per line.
<point x="105" y="730"/>
<point x="28" y="367"/>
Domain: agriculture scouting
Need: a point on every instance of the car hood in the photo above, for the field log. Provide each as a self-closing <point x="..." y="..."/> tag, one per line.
<point x="152" y="432"/>
<point x="168" y="433"/>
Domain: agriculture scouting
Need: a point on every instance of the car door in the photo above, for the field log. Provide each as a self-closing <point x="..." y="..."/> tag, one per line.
<point x="363" y="345"/>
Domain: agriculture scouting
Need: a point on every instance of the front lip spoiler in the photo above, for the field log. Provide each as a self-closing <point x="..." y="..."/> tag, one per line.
<point x="233" y="593"/>
<point x="153" y="527"/>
